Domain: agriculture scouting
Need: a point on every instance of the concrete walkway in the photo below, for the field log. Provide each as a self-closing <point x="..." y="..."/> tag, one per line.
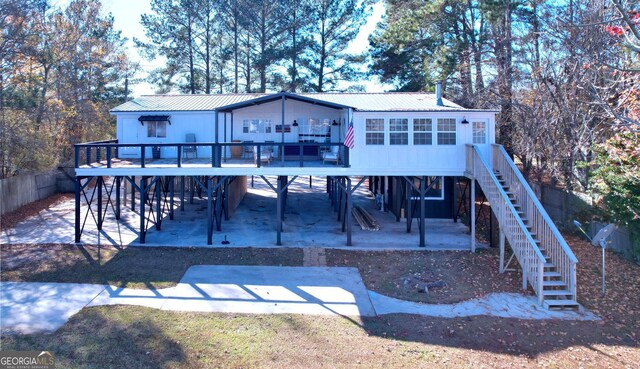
<point x="34" y="307"/>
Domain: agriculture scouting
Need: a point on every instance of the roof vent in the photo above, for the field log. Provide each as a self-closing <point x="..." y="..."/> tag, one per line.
<point x="439" y="94"/>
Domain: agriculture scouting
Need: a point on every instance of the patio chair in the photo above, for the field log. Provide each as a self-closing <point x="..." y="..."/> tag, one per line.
<point x="331" y="156"/>
<point x="191" y="149"/>
<point x="265" y="156"/>
<point x="247" y="150"/>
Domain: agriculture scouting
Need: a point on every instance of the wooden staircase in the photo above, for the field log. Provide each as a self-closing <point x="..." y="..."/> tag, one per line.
<point x="548" y="264"/>
<point x="556" y="294"/>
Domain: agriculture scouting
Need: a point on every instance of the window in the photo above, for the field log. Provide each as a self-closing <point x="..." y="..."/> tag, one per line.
<point x="156" y="129"/>
<point x="422" y="132"/>
<point x="399" y="129"/>
<point x="256" y="126"/>
<point x="446" y="131"/>
<point x="479" y="132"/>
<point x="436" y="192"/>
<point x="375" y="131"/>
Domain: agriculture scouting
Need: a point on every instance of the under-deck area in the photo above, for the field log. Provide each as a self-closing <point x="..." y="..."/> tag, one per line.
<point x="310" y="220"/>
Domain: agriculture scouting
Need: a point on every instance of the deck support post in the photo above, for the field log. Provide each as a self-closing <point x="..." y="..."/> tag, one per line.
<point x="502" y="244"/>
<point x="279" y="204"/>
<point x="118" y="184"/>
<point x="158" y="199"/>
<point x="78" y="188"/>
<point x="133" y="194"/>
<point x="143" y="199"/>
<point x="473" y="215"/>
<point x="219" y="200"/>
<point x="225" y="197"/>
<point x="348" y="216"/>
<point x="409" y="212"/>
<point x="99" y="185"/>
<point x="191" y="190"/>
<point x="171" y="194"/>
<point x="209" y="211"/>
<point x="181" y="193"/>
<point x="423" y="194"/>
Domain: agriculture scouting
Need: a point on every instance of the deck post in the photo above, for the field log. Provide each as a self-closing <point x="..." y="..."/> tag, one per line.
<point x="78" y="186"/>
<point x="209" y="212"/>
<point x="133" y="194"/>
<point x="143" y="195"/>
<point x="191" y="190"/>
<point x="171" y="195"/>
<point x="502" y="241"/>
<point x="348" y="216"/>
<point x="279" y="207"/>
<point x="181" y="193"/>
<point x="218" y="210"/>
<point x="99" y="185"/>
<point x="225" y="197"/>
<point x="158" y="188"/>
<point x="409" y="209"/>
<point x="118" y="184"/>
<point x="423" y="191"/>
<point x="473" y="215"/>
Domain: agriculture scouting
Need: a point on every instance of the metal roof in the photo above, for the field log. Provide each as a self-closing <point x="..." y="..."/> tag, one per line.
<point x="387" y="101"/>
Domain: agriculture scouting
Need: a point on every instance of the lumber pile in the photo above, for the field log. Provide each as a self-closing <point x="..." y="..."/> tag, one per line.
<point x="366" y="221"/>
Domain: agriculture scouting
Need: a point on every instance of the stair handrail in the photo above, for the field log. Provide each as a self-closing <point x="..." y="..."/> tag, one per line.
<point x="532" y="269"/>
<point x="538" y="205"/>
<point x="510" y="206"/>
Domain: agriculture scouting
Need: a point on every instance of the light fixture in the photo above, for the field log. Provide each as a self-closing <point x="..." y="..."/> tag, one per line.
<point x="295" y="123"/>
<point x="334" y="123"/>
<point x="464" y="120"/>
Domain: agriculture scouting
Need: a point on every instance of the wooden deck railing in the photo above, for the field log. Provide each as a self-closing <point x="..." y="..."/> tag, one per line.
<point x="103" y="152"/>
<point x="524" y="247"/>
<point x="547" y="233"/>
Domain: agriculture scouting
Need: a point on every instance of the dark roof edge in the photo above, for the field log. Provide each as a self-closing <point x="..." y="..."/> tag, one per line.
<point x="276" y="96"/>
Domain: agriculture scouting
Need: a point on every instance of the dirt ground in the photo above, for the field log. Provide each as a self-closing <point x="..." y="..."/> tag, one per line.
<point x="454" y="275"/>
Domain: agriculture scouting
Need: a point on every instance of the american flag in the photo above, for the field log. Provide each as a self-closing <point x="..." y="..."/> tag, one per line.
<point x="348" y="138"/>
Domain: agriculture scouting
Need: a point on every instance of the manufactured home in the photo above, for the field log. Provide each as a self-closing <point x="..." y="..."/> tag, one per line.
<point x="413" y="148"/>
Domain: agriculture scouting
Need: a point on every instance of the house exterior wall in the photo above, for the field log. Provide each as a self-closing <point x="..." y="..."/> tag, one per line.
<point x="434" y="159"/>
<point x="386" y="159"/>
<point x="129" y="130"/>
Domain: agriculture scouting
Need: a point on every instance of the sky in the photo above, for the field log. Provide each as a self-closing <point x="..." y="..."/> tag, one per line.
<point x="126" y="14"/>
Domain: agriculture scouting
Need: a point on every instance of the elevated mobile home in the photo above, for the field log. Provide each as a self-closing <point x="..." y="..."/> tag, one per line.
<point x="413" y="148"/>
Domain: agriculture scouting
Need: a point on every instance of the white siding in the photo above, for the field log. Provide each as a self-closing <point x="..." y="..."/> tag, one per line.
<point x="199" y="123"/>
<point x="431" y="159"/>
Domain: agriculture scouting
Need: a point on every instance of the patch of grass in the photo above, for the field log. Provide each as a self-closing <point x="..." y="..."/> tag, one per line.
<point x="133" y="267"/>
<point x="136" y="337"/>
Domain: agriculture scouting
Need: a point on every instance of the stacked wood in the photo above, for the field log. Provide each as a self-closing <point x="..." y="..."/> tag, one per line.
<point x="366" y="221"/>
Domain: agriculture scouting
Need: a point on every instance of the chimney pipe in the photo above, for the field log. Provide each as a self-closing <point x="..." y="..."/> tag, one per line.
<point x="439" y="94"/>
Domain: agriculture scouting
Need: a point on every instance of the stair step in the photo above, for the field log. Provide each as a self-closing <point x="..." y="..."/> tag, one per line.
<point x="556" y="293"/>
<point x="552" y="274"/>
<point x="553" y="284"/>
<point x="561" y="304"/>
<point x="549" y="265"/>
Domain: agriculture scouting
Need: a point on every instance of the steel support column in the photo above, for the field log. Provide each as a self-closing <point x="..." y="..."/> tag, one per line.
<point x="181" y="193"/>
<point x="171" y="195"/>
<point x="78" y="188"/>
<point x="118" y="184"/>
<point x="143" y="200"/>
<point x="209" y="212"/>
<point x="423" y="210"/>
<point x="99" y="185"/>
<point x="158" y="189"/>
